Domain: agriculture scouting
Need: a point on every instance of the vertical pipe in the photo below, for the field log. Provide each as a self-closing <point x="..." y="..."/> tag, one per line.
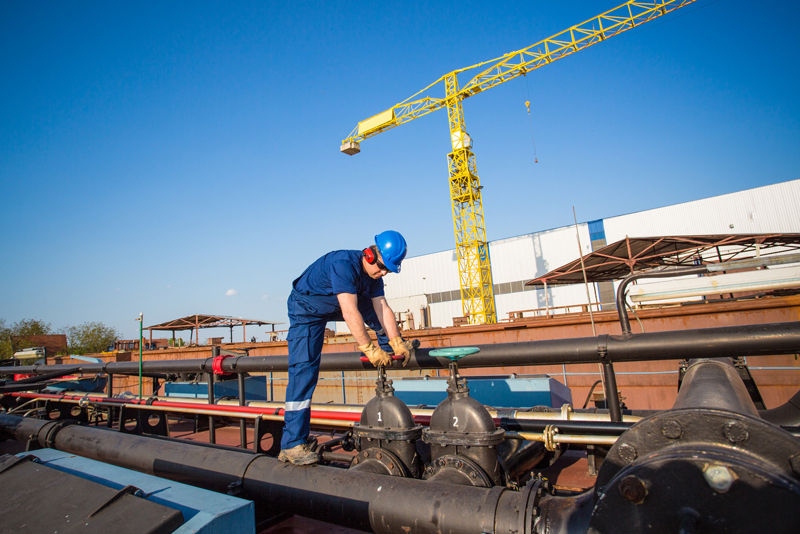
<point x="242" y="423"/>
<point x="211" y="434"/>
<point x="109" y="394"/>
<point x="546" y="300"/>
<point x="141" y="322"/>
<point x="344" y="394"/>
<point x="612" y="397"/>
<point x="271" y="391"/>
<point x="212" y="438"/>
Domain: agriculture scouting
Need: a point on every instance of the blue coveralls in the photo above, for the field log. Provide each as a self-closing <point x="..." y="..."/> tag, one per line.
<point x="312" y="304"/>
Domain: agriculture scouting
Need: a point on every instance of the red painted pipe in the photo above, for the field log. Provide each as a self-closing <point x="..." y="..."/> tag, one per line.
<point x="316" y="414"/>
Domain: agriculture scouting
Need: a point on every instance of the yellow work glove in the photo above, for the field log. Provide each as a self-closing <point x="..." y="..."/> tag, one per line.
<point x="376" y="355"/>
<point x="402" y="348"/>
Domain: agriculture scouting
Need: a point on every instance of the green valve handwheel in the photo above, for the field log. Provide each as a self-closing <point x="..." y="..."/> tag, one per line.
<point x="454" y="353"/>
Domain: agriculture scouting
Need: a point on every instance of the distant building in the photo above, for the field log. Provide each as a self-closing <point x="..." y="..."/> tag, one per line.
<point x="133" y="344"/>
<point x="52" y="343"/>
<point x="428" y="287"/>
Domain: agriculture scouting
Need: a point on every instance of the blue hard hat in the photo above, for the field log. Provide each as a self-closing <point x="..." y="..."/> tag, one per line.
<point x="392" y="247"/>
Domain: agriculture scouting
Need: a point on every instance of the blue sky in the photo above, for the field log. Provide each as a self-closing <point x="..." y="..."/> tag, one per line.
<point x="155" y="156"/>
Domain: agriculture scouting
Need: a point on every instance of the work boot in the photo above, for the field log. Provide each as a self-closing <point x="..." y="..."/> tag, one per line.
<point x="302" y="454"/>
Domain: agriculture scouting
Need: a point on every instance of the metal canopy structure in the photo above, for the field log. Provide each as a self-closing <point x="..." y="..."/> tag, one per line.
<point x="198" y="321"/>
<point x="629" y="255"/>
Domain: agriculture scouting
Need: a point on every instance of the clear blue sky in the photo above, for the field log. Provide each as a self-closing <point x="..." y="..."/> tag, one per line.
<point x="156" y="155"/>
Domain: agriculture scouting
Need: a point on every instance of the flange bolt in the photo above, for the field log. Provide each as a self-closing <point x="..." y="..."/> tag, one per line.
<point x="633" y="489"/>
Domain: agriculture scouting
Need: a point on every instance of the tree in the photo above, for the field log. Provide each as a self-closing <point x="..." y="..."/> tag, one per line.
<point x="5" y="341"/>
<point x="90" y="338"/>
<point x="25" y="327"/>
<point x="32" y="327"/>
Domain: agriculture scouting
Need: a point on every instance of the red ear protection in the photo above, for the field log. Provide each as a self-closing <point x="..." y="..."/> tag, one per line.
<point x="370" y="255"/>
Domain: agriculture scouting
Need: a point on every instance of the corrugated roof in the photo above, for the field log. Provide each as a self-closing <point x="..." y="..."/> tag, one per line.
<point x="619" y="259"/>
<point x="206" y="321"/>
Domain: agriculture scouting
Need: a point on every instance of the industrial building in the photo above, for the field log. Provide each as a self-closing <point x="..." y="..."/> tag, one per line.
<point x="432" y="281"/>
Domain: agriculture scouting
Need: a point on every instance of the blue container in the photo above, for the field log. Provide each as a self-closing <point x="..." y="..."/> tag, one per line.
<point x="255" y="389"/>
<point x="495" y="391"/>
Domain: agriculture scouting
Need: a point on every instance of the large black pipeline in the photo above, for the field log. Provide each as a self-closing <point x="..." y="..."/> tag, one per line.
<point x="364" y="501"/>
<point x="734" y="341"/>
<point x="714" y="384"/>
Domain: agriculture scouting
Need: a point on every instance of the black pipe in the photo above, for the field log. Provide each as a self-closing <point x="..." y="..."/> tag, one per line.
<point x="622" y="310"/>
<point x="363" y="501"/>
<point x="48" y="376"/>
<point x="708" y="268"/>
<point x="787" y="414"/>
<point x="212" y="436"/>
<point x="734" y="341"/>
<point x="612" y="394"/>
<point x="594" y="428"/>
<point x="518" y="457"/>
<point x="12" y="387"/>
<point x="714" y="384"/>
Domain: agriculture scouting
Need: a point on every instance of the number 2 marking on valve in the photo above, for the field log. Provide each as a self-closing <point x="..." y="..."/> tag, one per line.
<point x="455" y="421"/>
<point x="379" y="417"/>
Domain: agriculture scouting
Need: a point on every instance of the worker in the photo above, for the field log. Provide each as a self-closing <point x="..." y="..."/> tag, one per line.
<point x="344" y="285"/>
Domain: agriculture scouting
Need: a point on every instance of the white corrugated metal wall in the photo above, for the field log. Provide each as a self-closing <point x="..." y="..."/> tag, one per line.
<point x="772" y="208"/>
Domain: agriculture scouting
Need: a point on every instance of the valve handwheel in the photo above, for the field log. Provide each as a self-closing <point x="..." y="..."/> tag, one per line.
<point x="454" y="353"/>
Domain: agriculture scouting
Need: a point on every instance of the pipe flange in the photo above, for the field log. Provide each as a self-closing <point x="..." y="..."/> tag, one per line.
<point x="394" y="434"/>
<point x="548" y="436"/>
<point x="380" y="461"/>
<point x="52" y="430"/>
<point x="721" y="489"/>
<point x="457" y="469"/>
<point x="700" y="428"/>
<point x="474" y="439"/>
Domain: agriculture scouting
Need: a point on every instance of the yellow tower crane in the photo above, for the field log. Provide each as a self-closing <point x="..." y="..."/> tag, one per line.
<point x="475" y="272"/>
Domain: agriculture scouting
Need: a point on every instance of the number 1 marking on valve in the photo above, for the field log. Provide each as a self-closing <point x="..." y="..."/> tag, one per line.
<point x="379" y="417"/>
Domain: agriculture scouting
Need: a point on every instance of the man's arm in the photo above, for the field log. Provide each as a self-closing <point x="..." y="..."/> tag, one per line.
<point x="385" y="316"/>
<point x="355" y="322"/>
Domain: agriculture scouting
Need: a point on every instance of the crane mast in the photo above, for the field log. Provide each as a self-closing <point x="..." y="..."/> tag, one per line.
<point x="472" y="248"/>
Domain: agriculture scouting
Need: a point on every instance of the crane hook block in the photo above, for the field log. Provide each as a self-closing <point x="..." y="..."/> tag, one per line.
<point x="351" y="148"/>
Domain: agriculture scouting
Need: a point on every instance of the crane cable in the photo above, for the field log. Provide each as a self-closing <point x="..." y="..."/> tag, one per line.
<point x="525" y="89"/>
<point x="530" y="121"/>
